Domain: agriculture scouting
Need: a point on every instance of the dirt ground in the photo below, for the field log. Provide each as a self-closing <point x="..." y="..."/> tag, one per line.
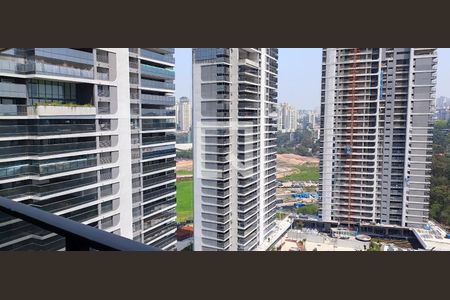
<point x="184" y="165"/>
<point x="294" y="159"/>
<point x="286" y="162"/>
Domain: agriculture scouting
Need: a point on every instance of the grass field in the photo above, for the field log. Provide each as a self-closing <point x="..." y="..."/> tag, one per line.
<point x="184" y="200"/>
<point x="303" y="173"/>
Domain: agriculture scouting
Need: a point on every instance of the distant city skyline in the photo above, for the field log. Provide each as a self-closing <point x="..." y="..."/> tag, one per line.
<point x="299" y="75"/>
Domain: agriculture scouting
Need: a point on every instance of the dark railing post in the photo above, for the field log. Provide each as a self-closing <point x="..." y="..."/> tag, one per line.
<point x="79" y="237"/>
<point x="75" y="244"/>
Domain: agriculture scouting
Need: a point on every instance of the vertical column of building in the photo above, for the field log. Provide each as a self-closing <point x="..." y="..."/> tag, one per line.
<point x="250" y="146"/>
<point x="353" y="136"/>
<point x="392" y="131"/>
<point x="421" y="97"/>
<point x="212" y="91"/>
<point x="234" y="120"/>
<point x="153" y="145"/>
<point x="59" y="135"/>
<point x="328" y="95"/>
<point x="268" y="153"/>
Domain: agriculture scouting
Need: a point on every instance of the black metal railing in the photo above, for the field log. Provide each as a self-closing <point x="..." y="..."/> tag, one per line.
<point x="78" y="237"/>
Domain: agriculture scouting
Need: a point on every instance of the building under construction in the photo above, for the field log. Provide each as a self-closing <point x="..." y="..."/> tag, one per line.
<point x="376" y="135"/>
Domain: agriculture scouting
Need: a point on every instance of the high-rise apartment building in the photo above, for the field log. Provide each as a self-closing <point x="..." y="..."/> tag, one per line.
<point x="289" y="117"/>
<point x="442" y="102"/>
<point x="234" y="129"/>
<point x="66" y="141"/>
<point x="376" y="135"/>
<point x="184" y="113"/>
<point x="311" y="119"/>
<point x="153" y="145"/>
<point x="279" y="117"/>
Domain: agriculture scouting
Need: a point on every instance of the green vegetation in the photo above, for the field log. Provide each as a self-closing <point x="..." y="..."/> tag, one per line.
<point x="280" y="215"/>
<point x="184" y="172"/>
<point x="66" y="104"/>
<point x="374" y="246"/>
<point x="308" y="209"/>
<point x="440" y="179"/>
<point x="184" y="200"/>
<point x="303" y="173"/>
<point x="300" y="142"/>
<point x="184" y="154"/>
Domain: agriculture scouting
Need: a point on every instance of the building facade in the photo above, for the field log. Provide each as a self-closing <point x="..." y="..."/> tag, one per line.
<point x="290" y="118"/>
<point x="153" y="150"/>
<point x="234" y="131"/>
<point x="279" y="117"/>
<point x="376" y="135"/>
<point x="184" y="113"/>
<point x="65" y="142"/>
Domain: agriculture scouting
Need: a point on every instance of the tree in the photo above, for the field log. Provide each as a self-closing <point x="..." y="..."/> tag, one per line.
<point x="300" y="142"/>
<point x="373" y="246"/>
<point x="440" y="170"/>
<point x="308" y="209"/>
<point x="184" y="154"/>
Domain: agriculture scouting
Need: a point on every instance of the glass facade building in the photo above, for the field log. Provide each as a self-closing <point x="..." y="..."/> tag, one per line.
<point x="65" y="138"/>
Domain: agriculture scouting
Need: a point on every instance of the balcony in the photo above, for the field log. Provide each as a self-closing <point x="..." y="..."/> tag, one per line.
<point x="157" y="126"/>
<point x="157" y="100"/>
<point x="158" y="205"/>
<point x="145" y="112"/>
<point x="156" y="72"/>
<point x="149" y="140"/>
<point x="146" y="83"/>
<point x="14" y="151"/>
<point x="149" y="195"/>
<point x="153" y="234"/>
<point x="78" y="237"/>
<point x="153" y="180"/>
<point x="156" y="56"/>
<point x="56" y="70"/>
<point x="13" y="110"/>
<point x="47" y="109"/>
<point x="61" y="110"/>
<point x="248" y="62"/>
<point x="157" y="153"/>
<point x="148" y="168"/>
<point x="167" y="50"/>
<point x="159" y="218"/>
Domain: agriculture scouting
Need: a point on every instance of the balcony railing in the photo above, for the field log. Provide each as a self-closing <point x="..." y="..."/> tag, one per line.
<point x="157" y="84"/>
<point x="78" y="237"/>
<point x="157" y="72"/>
<point x="157" y="100"/>
<point x="57" y="70"/>
<point x="156" y="56"/>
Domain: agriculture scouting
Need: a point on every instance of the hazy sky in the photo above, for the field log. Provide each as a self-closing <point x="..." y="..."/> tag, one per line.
<point x="299" y="74"/>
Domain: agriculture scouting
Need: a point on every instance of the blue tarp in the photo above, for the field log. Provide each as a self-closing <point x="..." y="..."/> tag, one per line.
<point x="305" y="195"/>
